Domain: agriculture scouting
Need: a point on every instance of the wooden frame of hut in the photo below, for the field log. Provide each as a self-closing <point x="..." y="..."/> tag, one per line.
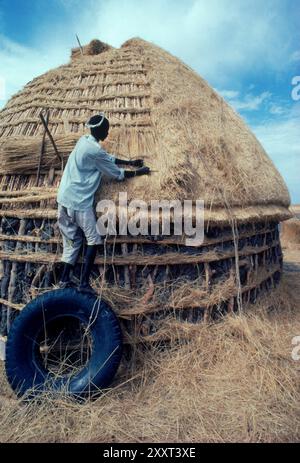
<point x="198" y="147"/>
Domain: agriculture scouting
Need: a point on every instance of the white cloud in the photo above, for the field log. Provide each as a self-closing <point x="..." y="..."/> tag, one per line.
<point x="20" y="64"/>
<point x="215" y="37"/>
<point x="277" y="110"/>
<point x="249" y="102"/>
<point x="219" y="39"/>
<point x="281" y="136"/>
<point x="295" y="56"/>
<point x="228" y="94"/>
<point x="2" y="89"/>
<point x="281" y="140"/>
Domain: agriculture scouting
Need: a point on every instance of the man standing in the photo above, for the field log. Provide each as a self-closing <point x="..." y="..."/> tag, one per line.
<point x="80" y="181"/>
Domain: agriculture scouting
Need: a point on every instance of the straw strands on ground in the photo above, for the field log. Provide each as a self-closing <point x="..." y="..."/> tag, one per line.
<point x="235" y="381"/>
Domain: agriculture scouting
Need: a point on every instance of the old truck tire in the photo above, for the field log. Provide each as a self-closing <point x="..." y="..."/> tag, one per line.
<point x="26" y="368"/>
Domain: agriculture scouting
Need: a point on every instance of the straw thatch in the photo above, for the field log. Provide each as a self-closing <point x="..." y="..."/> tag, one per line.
<point x="159" y="109"/>
<point x="197" y="147"/>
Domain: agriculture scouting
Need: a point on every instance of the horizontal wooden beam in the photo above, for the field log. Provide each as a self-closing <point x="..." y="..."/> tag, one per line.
<point x="28" y="199"/>
<point x="11" y="304"/>
<point x="29" y="239"/>
<point x="168" y="240"/>
<point x="29" y="213"/>
<point x="171" y="258"/>
<point x="27" y="192"/>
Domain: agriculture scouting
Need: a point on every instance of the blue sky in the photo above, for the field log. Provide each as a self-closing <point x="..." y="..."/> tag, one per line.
<point x="248" y="50"/>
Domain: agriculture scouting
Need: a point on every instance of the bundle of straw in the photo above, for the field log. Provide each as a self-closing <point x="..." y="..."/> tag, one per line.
<point x="21" y="155"/>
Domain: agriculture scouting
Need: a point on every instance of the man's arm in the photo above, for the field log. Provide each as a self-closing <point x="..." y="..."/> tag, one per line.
<point x="133" y="163"/>
<point x="106" y="163"/>
<point x="143" y="170"/>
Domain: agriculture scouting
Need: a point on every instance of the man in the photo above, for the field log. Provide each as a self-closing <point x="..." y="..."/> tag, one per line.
<point x="80" y="181"/>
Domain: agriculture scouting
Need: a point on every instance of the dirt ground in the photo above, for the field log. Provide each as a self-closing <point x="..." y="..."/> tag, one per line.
<point x="236" y="381"/>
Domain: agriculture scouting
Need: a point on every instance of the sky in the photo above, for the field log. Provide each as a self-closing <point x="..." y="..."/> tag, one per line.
<point x="248" y="50"/>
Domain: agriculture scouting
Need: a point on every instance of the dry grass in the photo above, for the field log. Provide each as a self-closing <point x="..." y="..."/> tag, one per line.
<point x="235" y="381"/>
<point x="26" y="159"/>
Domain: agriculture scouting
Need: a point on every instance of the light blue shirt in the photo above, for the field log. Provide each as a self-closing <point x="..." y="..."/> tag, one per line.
<point x="83" y="172"/>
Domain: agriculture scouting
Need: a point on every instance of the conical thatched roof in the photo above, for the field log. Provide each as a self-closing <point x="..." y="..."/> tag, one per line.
<point x="159" y="109"/>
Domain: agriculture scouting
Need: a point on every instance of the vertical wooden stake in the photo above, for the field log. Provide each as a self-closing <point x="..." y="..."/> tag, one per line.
<point x="231" y="305"/>
<point x="124" y="248"/>
<point x="133" y="268"/>
<point x="207" y="275"/>
<point x="13" y="274"/>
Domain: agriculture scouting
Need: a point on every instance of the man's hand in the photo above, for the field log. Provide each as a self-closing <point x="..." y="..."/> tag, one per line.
<point x="137" y="163"/>
<point x="143" y="171"/>
<point x="132" y="173"/>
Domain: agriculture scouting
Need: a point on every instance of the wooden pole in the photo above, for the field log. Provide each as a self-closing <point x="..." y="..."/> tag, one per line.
<point x="80" y="46"/>
<point x="52" y="141"/>
<point x="124" y="248"/>
<point x="13" y="276"/>
<point x="42" y="151"/>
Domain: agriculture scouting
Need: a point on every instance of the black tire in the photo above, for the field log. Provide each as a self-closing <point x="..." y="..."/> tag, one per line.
<point x="24" y="366"/>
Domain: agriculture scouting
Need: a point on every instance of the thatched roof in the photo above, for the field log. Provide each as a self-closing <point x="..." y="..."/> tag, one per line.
<point x="159" y="109"/>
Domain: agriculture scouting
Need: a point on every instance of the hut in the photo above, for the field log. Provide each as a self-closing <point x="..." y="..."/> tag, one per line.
<point x="197" y="147"/>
